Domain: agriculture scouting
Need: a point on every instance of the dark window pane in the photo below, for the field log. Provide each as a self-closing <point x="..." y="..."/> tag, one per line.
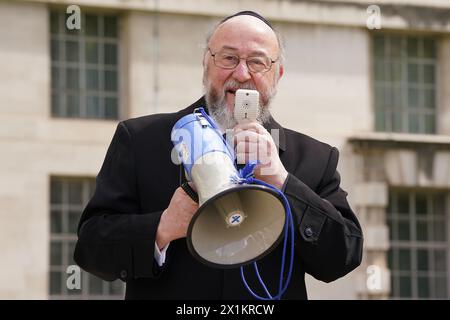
<point x="422" y="260"/>
<point x="55" y="78"/>
<point x="110" y="27"/>
<point x="380" y="121"/>
<point x="110" y="80"/>
<point x="93" y="107"/>
<point x="111" y="108"/>
<point x="110" y="51"/>
<point x="74" y="218"/>
<point x="73" y="106"/>
<point x="54" y="50"/>
<point x="403" y="203"/>
<point x="403" y="231"/>
<point x="379" y="71"/>
<point x="72" y="78"/>
<point x="423" y="287"/>
<point x="428" y="74"/>
<point x="397" y="94"/>
<point x="439" y="231"/>
<point x="70" y="251"/>
<point x="396" y="71"/>
<point x="390" y="257"/>
<point x="92" y="77"/>
<point x="56" y="253"/>
<point x="379" y="96"/>
<point x="429" y="98"/>
<point x="75" y="192"/>
<point x="55" y="221"/>
<point x="429" y="48"/>
<point x="54" y="22"/>
<point x="397" y="121"/>
<point x="55" y="282"/>
<point x="91" y="187"/>
<point x="72" y="54"/>
<point x="439" y="204"/>
<point x="404" y="260"/>
<point x="440" y="260"/>
<point x="413" y="73"/>
<point x="405" y="287"/>
<point x="91" y="25"/>
<point x="413" y="97"/>
<point x="55" y="105"/>
<point x="413" y="47"/>
<point x="421" y="204"/>
<point x="91" y="52"/>
<point x="378" y="45"/>
<point x="430" y="124"/>
<point x="388" y="97"/>
<point x="422" y="231"/>
<point x="396" y="47"/>
<point x="55" y="191"/>
<point x="95" y="285"/>
<point x="414" y="125"/>
<point x="441" y="288"/>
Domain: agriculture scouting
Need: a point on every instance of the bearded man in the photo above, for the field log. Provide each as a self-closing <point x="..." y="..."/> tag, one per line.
<point x="135" y="225"/>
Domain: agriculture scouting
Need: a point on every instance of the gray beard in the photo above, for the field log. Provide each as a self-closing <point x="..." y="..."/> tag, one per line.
<point x="217" y="104"/>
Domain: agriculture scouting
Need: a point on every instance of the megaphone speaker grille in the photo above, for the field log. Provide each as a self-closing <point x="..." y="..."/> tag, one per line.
<point x="237" y="226"/>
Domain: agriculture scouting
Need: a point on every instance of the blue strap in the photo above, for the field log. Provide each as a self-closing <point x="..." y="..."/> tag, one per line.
<point x="246" y="175"/>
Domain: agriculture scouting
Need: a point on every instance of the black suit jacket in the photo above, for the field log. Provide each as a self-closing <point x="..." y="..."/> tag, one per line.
<point x="116" y="233"/>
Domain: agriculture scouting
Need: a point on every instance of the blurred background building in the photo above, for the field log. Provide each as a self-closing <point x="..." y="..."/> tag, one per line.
<point x="381" y="95"/>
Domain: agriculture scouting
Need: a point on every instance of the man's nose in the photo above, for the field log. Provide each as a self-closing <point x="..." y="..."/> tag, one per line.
<point x="241" y="72"/>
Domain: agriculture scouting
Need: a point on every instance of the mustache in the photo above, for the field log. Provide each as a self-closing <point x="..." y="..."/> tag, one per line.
<point x="233" y="85"/>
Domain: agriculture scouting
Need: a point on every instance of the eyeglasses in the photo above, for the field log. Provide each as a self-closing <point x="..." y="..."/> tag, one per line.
<point x="228" y="60"/>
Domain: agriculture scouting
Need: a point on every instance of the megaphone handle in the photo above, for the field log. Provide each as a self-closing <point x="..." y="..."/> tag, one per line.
<point x="189" y="191"/>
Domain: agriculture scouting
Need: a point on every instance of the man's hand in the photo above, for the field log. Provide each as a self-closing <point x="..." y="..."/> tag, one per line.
<point x="176" y="218"/>
<point x="253" y="142"/>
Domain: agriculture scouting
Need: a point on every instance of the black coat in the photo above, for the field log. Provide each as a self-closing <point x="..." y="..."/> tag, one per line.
<point x="116" y="233"/>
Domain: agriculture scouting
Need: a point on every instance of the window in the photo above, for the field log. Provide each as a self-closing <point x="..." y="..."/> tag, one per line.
<point x="68" y="197"/>
<point x="404" y="70"/>
<point x="419" y="253"/>
<point x="84" y="75"/>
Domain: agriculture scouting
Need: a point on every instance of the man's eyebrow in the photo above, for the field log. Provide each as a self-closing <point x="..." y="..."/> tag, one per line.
<point x="229" y="48"/>
<point x="253" y="53"/>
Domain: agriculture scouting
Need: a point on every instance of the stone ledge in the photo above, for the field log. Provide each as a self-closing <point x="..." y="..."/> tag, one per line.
<point x="399" y="140"/>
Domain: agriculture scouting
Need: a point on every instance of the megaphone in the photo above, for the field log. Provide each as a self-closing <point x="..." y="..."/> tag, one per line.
<point x="236" y="224"/>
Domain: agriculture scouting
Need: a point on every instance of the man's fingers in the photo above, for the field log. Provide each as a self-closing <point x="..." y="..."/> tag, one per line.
<point x="245" y="157"/>
<point x="245" y="135"/>
<point x="250" y="126"/>
<point x="247" y="147"/>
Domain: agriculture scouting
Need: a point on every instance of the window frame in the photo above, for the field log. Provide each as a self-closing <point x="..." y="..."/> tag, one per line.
<point x="387" y="113"/>
<point x="66" y="238"/>
<point x="59" y="107"/>
<point x="412" y="245"/>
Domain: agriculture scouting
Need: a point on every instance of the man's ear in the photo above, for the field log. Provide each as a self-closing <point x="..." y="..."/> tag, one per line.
<point x="280" y="71"/>
<point x="205" y="57"/>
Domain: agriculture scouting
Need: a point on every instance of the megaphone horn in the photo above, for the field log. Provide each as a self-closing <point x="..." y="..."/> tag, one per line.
<point x="235" y="224"/>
